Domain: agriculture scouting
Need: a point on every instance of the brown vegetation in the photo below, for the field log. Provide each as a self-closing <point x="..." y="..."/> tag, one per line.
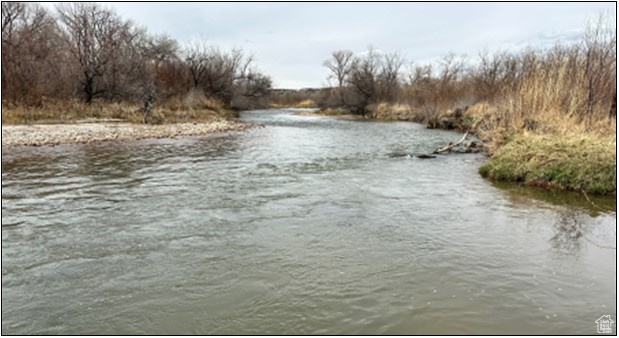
<point x="302" y="98"/>
<point x="191" y="107"/>
<point x="84" y="52"/>
<point x="363" y="80"/>
<point x="567" y="86"/>
<point x="562" y="93"/>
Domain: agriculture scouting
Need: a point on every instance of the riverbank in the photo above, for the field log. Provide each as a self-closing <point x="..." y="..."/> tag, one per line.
<point x="577" y="163"/>
<point x="52" y="134"/>
<point x="542" y="151"/>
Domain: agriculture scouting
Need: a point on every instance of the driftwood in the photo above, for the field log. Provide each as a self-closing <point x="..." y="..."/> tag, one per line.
<point x="459" y="147"/>
<point x="451" y="145"/>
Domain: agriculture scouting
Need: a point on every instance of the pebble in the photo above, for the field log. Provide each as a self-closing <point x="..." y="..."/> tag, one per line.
<point x="50" y="134"/>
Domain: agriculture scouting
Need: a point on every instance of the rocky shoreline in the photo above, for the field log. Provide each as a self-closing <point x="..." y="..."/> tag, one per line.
<point x="52" y="134"/>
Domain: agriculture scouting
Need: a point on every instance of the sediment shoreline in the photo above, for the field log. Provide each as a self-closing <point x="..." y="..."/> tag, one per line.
<point x="52" y="134"/>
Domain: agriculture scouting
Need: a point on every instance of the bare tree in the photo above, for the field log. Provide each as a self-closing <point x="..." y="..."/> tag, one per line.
<point x="29" y="36"/>
<point x="168" y="73"/>
<point x="90" y="51"/>
<point x="196" y="57"/>
<point x="364" y="72"/>
<point x="451" y="67"/>
<point x="218" y="73"/>
<point x="251" y="90"/>
<point x="488" y="73"/>
<point x="372" y="78"/>
<point x="339" y="65"/>
<point x="389" y="78"/>
<point x="224" y="71"/>
<point x="12" y="14"/>
<point x="100" y="43"/>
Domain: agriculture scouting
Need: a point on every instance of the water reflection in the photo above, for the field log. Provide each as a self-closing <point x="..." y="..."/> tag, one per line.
<point x="569" y="230"/>
<point x="529" y="196"/>
<point x="109" y="162"/>
<point x="112" y="160"/>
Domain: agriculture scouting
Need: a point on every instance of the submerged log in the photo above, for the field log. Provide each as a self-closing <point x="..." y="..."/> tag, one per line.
<point x="451" y="145"/>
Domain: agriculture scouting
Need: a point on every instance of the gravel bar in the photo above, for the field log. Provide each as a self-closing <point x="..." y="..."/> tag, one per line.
<point x="51" y="134"/>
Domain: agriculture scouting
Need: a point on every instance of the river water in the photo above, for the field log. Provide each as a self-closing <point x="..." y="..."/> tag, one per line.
<point x="310" y="225"/>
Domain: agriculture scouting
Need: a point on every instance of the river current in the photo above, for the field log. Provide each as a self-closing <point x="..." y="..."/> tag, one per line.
<point x="309" y="225"/>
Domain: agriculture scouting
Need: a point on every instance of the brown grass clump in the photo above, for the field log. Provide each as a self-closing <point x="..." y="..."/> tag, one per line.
<point x="333" y="112"/>
<point x="65" y="111"/>
<point x="395" y="111"/>
<point x="309" y="103"/>
<point x="192" y="107"/>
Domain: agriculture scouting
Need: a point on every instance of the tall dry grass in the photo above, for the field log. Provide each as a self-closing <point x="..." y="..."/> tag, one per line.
<point x="570" y="87"/>
<point x="191" y="107"/>
<point x="549" y="117"/>
<point x="556" y="123"/>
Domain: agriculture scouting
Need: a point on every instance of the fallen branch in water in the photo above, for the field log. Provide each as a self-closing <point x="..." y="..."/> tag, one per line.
<point x="459" y="147"/>
<point x="451" y="145"/>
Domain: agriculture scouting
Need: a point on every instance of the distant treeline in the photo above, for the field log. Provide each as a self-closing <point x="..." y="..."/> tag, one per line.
<point x="573" y="80"/>
<point x="87" y="52"/>
<point x="576" y="79"/>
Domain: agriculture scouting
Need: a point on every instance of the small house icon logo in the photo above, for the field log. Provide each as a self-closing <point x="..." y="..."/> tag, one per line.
<point x="605" y="324"/>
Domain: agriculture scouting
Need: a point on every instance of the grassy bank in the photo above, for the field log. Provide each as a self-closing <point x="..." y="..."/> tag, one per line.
<point x="577" y="162"/>
<point x="190" y="108"/>
<point x="70" y="121"/>
<point x="546" y="149"/>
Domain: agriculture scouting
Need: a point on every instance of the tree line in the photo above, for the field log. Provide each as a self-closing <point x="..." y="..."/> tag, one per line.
<point x="576" y="79"/>
<point x="87" y="52"/>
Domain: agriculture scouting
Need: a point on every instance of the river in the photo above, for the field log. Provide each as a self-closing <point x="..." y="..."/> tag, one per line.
<point x="310" y="225"/>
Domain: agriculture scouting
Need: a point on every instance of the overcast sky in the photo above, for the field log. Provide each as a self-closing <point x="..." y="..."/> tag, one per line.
<point x="291" y="40"/>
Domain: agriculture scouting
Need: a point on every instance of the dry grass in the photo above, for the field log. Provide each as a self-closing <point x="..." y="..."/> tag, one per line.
<point x="496" y="124"/>
<point x="65" y="111"/>
<point x="307" y="103"/>
<point x="333" y="112"/>
<point x="570" y="87"/>
<point x="193" y="107"/>
<point x="396" y="111"/>
<point x="550" y="122"/>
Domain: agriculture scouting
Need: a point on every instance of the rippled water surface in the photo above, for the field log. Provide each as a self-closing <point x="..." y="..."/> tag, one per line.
<point x="308" y="225"/>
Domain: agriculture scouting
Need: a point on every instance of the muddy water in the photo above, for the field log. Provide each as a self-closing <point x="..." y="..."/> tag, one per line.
<point x="311" y="225"/>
